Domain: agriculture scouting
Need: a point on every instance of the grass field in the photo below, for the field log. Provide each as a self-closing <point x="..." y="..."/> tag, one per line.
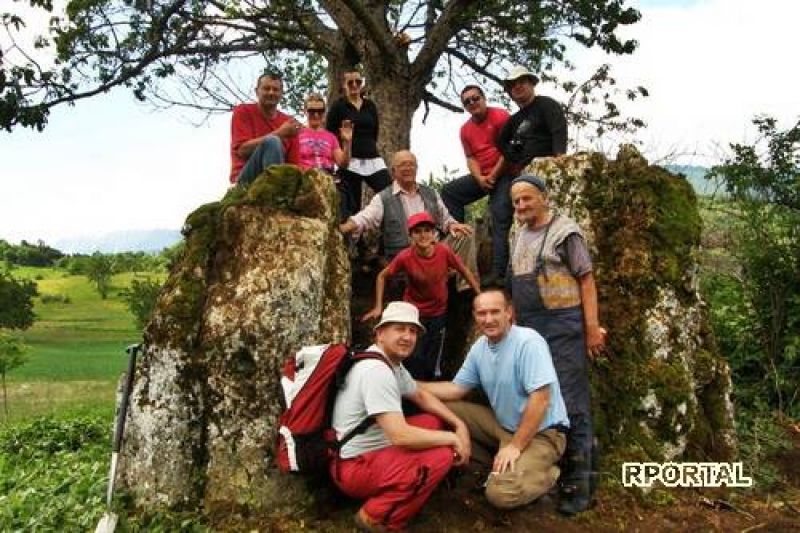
<point x="77" y="349"/>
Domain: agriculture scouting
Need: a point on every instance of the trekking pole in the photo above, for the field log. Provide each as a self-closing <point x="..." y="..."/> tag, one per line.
<point x="108" y="522"/>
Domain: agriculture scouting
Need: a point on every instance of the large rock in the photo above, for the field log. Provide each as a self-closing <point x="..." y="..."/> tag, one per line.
<point x="664" y="390"/>
<point x="263" y="273"/>
<point x="266" y="272"/>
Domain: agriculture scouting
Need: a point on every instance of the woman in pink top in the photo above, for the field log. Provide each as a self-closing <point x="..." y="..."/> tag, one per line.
<point x="316" y="147"/>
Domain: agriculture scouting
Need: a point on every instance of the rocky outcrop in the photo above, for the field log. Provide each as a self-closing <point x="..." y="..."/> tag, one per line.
<point x="265" y="272"/>
<point x="664" y="390"/>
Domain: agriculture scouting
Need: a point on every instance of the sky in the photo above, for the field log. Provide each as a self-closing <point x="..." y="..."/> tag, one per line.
<point x="110" y="164"/>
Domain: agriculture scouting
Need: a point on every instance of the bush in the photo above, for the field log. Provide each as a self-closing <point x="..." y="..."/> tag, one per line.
<point x="141" y="299"/>
<point x="55" y="299"/>
<point x="53" y="477"/>
<point x="52" y="474"/>
<point x="756" y="312"/>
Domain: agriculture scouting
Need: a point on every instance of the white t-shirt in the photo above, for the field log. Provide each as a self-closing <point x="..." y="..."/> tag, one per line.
<point x="371" y="388"/>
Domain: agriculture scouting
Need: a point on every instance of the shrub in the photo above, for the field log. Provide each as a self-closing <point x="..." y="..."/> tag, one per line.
<point x="55" y="299"/>
<point x="141" y="299"/>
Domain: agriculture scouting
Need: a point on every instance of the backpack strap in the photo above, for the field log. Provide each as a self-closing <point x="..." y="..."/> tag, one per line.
<point x="367" y="422"/>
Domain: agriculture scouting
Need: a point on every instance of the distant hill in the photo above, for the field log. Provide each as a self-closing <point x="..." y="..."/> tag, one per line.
<point x="697" y="177"/>
<point x="153" y="240"/>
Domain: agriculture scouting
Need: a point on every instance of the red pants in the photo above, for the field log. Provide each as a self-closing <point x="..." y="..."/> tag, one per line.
<point x="395" y="481"/>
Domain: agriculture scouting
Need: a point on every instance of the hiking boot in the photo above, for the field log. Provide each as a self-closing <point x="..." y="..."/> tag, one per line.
<point x="574" y="498"/>
<point x="366" y="524"/>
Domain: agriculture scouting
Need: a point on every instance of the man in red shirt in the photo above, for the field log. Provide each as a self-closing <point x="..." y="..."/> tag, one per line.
<point x="485" y="164"/>
<point x="426" y="263"/>
<point x="260" y="133"/>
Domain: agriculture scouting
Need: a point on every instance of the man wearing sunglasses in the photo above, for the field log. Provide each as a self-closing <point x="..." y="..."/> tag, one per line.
<point x="260" y="133"/>
<point x="485" y="164"/>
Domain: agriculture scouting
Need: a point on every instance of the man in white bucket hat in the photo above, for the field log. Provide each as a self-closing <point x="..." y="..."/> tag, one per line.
<point x="397" y="463"/>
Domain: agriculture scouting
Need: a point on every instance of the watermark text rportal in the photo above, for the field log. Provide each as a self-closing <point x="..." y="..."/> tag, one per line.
<point x="685" y="475"/>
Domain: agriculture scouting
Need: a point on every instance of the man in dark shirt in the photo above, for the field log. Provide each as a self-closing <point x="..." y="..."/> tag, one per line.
<point x="538" y="129"/>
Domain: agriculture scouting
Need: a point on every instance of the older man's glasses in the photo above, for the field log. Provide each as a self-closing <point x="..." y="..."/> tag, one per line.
<point x="319" y="111"/>
<point x="469" y="100"/>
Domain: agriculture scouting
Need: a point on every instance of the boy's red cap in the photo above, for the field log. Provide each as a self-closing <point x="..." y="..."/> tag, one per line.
<point x="420" y="218"/>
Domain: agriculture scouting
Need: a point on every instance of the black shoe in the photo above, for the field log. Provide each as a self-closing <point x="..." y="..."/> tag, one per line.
<point x="574" y="498"/>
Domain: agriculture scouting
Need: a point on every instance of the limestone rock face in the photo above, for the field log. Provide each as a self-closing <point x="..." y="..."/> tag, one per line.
<point x="664" y="390"/>
<point x="264" y="273"/>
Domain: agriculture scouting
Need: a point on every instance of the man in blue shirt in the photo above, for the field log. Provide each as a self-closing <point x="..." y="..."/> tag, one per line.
<point x="522" y="435"/>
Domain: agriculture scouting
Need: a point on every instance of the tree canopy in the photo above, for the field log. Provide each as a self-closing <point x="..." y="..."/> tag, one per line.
<point x="16" y="302"/>
<point x="184" y="52"/>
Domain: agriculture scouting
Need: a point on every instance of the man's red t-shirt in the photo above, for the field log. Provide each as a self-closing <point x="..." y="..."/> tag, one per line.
<point x="478" y="138"/>
<point x="248" y="122"/>
<point x="427" y="277"/>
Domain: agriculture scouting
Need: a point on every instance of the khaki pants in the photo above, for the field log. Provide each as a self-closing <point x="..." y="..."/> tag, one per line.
<point x="466" y="249"/>
<point x="535" y="471"/>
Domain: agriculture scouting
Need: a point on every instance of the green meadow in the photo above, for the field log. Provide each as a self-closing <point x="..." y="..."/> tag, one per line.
<point x="76" y="347"/>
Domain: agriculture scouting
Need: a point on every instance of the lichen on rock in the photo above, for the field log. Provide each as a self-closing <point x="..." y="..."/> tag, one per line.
<point x="264" y="273"/>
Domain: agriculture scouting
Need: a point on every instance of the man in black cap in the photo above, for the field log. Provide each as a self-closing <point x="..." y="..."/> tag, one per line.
<point x="553" y="291"/>
<point x="538" y="129"/>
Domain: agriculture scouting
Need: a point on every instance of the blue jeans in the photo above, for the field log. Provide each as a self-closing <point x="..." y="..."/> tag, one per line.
<point x="269" y="152"/>
<point x="464" y="190"/>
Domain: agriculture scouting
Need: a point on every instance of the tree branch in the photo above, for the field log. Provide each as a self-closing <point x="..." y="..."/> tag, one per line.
<point x="452" y="19"/>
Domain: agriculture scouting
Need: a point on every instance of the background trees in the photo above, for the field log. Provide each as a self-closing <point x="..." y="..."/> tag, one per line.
<point x="757" y="305"/>
<point x="186" y="52"/>
<point x="99" y="269"/>
<point x="16" y="312"/>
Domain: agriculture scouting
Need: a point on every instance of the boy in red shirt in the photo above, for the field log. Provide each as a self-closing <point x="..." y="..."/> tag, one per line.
<point x="426" y="263"/>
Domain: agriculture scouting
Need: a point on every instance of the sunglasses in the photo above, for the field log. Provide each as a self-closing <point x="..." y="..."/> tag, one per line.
<point x="471" y="100"/>
<point x="357" y="83"/>
<point x="315" y="111"/>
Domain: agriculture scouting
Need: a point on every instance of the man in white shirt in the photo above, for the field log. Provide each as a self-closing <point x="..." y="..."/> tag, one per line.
<point x="397" y="463"/>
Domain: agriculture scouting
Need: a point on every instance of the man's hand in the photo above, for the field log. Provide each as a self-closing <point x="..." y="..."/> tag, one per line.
<point x="505" y="459"/>
<point x="463" y="435"/>
<point x="346" y="131"/>
<point x="461" y="450"/>
<point x="595" y="340"/>
<point x="458" y="229"/>
<point x="486" y="182"/>
<point x="290" y="128"/>
<point x="375" y="312"/>
<point x="348" y="226"/>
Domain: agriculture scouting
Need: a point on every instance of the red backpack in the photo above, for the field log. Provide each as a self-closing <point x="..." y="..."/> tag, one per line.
<point x="310" y="380"/>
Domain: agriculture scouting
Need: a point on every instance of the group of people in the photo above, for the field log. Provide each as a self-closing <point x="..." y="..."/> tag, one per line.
<point x="537" y="313"/>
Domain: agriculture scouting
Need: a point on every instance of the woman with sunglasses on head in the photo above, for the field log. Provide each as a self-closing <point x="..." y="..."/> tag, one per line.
<point x="366" y="164"/>
<point x="316" y="147"/>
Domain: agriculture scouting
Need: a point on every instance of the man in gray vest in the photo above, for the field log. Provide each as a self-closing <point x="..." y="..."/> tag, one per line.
<point x="389" y="210"/>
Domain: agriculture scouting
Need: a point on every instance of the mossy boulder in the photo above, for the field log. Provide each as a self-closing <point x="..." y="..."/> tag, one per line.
<point x="264" y="272"/>
<point x="663" y="392"/>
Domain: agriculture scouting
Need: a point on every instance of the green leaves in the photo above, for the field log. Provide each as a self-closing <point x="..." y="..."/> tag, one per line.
<point x="52" y="474"/>
<point x="16" y="302"/>
<point x="141" y="299"/>
<point x="763" y="181"/>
